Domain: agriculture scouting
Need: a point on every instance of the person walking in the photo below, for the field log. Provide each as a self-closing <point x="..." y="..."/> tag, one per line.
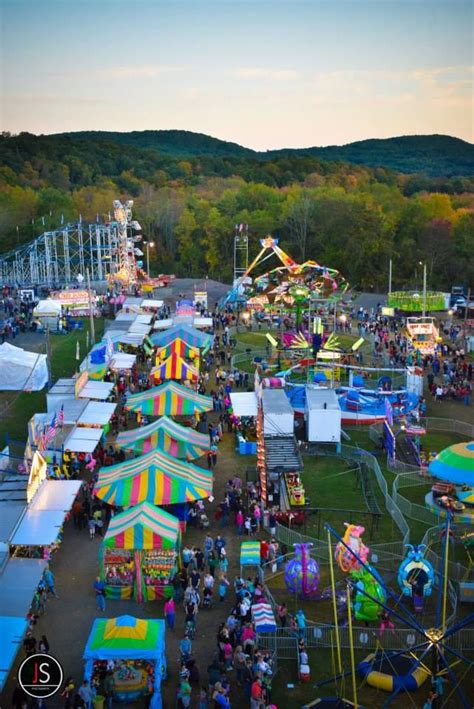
<point x="86" y="694"/>
<point x="43" y="645"/>
<point x="223" y="586"/>
<point x="99" y="588"/>
<point x="50" y="582"/>
<point x="109" y="688"/>
<point x="282" y="613"/>
<point x="170" y="612"/>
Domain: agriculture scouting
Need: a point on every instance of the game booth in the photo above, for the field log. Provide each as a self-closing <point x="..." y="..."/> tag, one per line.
<point x="175" y="367"/>
<point x="169" y="399"/>
<point x="178" y="347"/>
<point x="139" y="554"/>
<point x="179" y="441"/>
<point x="134" y="650"/>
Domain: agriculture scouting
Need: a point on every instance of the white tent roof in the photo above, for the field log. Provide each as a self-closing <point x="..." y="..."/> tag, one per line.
<point x="202" y="322"/>
<point x="122" y="315"/>
<point x="144" y="318"/>
<point x="244" y="403"/>
<point x="120" y="360"/>
<point x="139" y="328"/>
<point x="72" y="409"/>
<point x="183" y="320"/>
<point x="55" y="495"/>
<point x="83" y="440"/>
<point x="18" y="583"/>
<point x="22" y="370"/>
<point x="135" y="339"/>
<point x="133" y="304"/>
<point x="47" y="308"/>
<point x="151" y="304"/>
<point x="96" y="390"/>
<point x="96" y="413"/>
<point x="163" y="324"/>
<point x="63" y="386"/>
<point x="39" y="527"/>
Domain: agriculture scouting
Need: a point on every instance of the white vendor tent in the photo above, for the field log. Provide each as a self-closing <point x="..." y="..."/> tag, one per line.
<point x="202" y="322"/>
<point x="123" y="316"/>
<point x="121" y="360"/>
<point x="83" y="440"/>
<point x="47" y="309"/>
<point x="55" y="495"/>
<point x="18" y="584"/>
<point x="72" y="409"/>
<point x="244" y="403"/>
<point x="144" y="318"/>
<point x="61" y="390"/>
<point x="163" y="324"/>
<point x="96" y="390"/>
<point x="323" y="415"/>
<point x="151" y="304"/>
<point x="96" y="413"/>
<point x="139" y="328"/>
<point x="21" y="370"/>
<point x="132" y="304"/>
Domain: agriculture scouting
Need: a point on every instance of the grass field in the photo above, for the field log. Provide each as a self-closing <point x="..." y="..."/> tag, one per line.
<point x="16" y="408"/>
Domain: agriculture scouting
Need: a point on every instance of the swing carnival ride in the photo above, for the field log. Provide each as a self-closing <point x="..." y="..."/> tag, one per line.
<point x="404" y="670"/>
<point x="62" y="256"/>
<point x="287" y="287"/>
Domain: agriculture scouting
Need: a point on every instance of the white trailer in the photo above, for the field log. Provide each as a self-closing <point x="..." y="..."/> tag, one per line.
<point x="323" y="416"/>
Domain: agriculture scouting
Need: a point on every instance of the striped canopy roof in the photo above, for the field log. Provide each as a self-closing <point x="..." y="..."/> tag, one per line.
<point x="178" y="441"/>
<point x="155" y="477"/>
<point x="179" y="347"/>
<point x="190" y="335"/>
<point x="142" y="527"/>
<point x="455" y="464"/>
<point x="175" y="368"/>
<point x="250" y="554"/>
<point x="126" y="638"/>
<point x="169" y="399"/>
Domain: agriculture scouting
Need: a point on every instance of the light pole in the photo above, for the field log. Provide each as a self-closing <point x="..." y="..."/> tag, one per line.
<point x="424" y="287"/>
<point x="148" y="244"/>
<point x="389" y="277"/>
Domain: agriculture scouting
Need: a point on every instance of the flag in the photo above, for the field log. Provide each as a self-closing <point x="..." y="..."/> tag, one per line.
<point x="388" y="411"/>
<point x="51" y="432"/>
<point x="78" y="351"/>
<point x="41" y="442"/>
<point x="62" y="219"/>
<point x="98" y="355"/>
<point x="61" y="416"/>
<point x="97" y="218"/>
<point x="42" y="220"/>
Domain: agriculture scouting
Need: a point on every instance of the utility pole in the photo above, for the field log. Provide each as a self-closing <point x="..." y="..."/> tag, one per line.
<point x="48" y="358"/>
<point x="389" y="277"/>
<point x="91" y="314"/>
<point x="466" y="311"/>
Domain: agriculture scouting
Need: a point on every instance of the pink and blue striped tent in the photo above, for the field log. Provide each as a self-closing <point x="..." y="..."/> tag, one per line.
<point x="164" y="433"/>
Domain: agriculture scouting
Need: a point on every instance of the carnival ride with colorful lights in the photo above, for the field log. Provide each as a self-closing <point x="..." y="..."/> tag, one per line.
<point x="287" y="287"/>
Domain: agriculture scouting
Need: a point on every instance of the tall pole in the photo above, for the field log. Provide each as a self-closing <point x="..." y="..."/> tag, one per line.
<point x="48" y="358"/>
<point x="424" y="289"/>
<point x="148" y="259"/>
<point x="334" y="605"/>
<point x="91" y="314"/>
<point x="351" y="647"/>
<point x="466" y="311"/>
<point x="389" y="277"/>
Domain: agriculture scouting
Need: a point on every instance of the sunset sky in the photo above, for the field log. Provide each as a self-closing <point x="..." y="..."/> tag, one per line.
<point x="266" y="74"/>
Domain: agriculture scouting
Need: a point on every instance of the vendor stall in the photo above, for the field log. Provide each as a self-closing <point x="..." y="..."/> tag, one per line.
<point x="163" y="324"/>
<point x="122" y="362"/>
<point x="155" y="477"/>
<point x="139" y="553"/>
<point x="249" y="555"/>
<point x="178" y="347"/>
<point x="97" y="414"/>
<point x="83" y="440"/>
<point x="179" y="441"/>
<point x="170" y="399"/>
<point x="263" y="618"/>
<point x="135" y="649"/>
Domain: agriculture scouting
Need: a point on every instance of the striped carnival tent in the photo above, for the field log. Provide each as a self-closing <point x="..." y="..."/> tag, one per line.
<point x="250" y="554"/>
<point x="455" y="464"/>
<point x="178" y="347"/>
<point x="142" y="527"/>
<point x="155" y="477"/>
<point x="169" y="399"/>
<point x="263" y="618"/>
<point x="190" y="335"/>
<point x="179" y="441"/>
<point x="175" y="367"/>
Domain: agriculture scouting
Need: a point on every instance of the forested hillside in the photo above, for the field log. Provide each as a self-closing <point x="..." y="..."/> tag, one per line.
<point x="351" y="217"/>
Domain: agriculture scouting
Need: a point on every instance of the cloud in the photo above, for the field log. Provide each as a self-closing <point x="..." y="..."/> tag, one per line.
<point x="264" y="73"/>
<point x="146" y="71"/>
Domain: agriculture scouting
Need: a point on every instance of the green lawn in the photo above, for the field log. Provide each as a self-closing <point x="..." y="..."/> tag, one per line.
<point x="17" y="408"/>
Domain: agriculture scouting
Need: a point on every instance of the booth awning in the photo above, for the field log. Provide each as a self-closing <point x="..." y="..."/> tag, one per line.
<point x="250" y="554"/>
<point x="96" y="390"/>
<point x="18" y="584"/>
<point x="163" y="324"/>
<point x="170" y="399"/>
<point x="12" y="631"/>
<point x="179" y="441"/>
<point x="244" y="403"/>
<point x="72" y="409"/>
<point x="55" y="495"/>
<point x="120" y="361"/>
<point x="96" y="413"/>
<point x="142" y="527"/>
<point x="138" y="328"/>
<point x="83" y="440"/>
<point x="151" y="304"/>
<point x="202" y="322"/>
<point x="155" y="477"/>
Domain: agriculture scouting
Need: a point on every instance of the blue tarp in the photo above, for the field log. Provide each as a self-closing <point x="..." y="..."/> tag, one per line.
<point x="12" y="630"/>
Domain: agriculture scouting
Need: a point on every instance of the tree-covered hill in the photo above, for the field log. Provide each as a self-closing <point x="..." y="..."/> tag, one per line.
<point x="433" y="155"/>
